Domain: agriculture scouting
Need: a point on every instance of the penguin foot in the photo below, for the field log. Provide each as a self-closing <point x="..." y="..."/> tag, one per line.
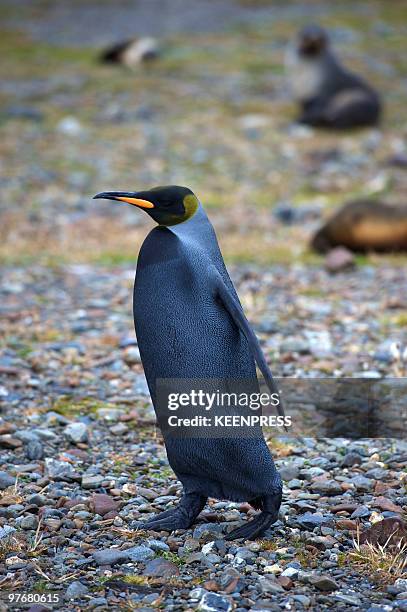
<point x="181" y="517"/>
<point x="270" y="506"/>
<point x="253" y="529"/>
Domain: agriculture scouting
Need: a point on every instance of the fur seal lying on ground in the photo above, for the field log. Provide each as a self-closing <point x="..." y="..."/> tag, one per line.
<point x="329" y="94"/>
<point x="131" y="52"/>
<point x="364" y="225"/>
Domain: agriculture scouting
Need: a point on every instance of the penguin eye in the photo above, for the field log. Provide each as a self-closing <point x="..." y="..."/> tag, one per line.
<point x="167" y="203"/>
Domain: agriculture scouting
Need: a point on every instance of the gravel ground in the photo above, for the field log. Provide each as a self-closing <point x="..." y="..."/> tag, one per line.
<point x="81" y="462"/>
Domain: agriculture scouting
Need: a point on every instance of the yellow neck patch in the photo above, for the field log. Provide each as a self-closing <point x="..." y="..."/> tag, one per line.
<point x="191" y="205"/>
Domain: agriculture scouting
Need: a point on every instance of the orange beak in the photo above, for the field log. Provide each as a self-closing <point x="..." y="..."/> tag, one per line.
<point x="123" y="197"/>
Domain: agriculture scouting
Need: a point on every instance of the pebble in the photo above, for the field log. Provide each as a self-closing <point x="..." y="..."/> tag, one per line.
<point x="351" y="459"/>
<point x="76" y="590"/>
<point x="110" y="556"/>
<point x="131" y="355"/>
<point x="29" y="522"/>
<point x="6" y="480"/>
<point x="34" y="450"/>
<point x="360" y="512"/>
<point x="289" y="472"/>
<point x="103" y="504"/>
<point x="158" y="545"/>
<point x="161" y="568"/>
<point x="6" y="531"/>
<point x="59" y="470"/>
<point x="328" y="487"/>
<point x="339" y="259"/>
<point x="77" y="432"/>
<point x="212" y="602"/>
<point x="207" y="531"/>
<point x="140" y="553"/>
<point x="92" y="482"/>
<point x="361" y="483"/>
<point x="324" y="583"/>
<point x="69" y="126"/>
<point x="310" y="520"/>
<point x="270" y="585"/>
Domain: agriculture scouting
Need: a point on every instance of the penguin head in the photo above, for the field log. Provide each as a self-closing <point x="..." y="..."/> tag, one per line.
<point x="312" y="41"/>
<point x="168" y="205"/>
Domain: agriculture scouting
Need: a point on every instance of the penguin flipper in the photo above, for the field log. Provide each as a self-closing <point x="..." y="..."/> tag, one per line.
<point x="236" y="312"/>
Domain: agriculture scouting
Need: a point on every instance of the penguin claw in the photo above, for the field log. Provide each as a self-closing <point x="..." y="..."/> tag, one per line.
<point x="254" y="528"/>
<point x="159" y="517"/>
<point x="181" y="517"/>
<point x="171" y="522"/>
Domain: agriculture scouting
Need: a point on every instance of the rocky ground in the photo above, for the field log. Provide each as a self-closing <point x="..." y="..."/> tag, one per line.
<point x="81" y="463"/>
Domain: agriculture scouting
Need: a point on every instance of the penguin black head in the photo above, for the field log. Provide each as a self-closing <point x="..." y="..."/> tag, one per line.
<point x="167" y="205"/>
<point x="312" y="40"/>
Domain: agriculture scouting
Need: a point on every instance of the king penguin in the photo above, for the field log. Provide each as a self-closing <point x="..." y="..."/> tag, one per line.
<point x="190" y="325"/>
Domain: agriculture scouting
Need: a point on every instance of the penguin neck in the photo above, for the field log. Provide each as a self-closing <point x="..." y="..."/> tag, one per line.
<point x="197" y="229"/>
<point x="198" y="220"/>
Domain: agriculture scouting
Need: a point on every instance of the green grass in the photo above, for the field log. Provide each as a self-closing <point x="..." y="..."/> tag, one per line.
<point x="70" y="406"/>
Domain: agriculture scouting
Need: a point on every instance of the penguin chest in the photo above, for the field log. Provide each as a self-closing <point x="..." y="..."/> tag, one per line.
<point x="182" y="331"/>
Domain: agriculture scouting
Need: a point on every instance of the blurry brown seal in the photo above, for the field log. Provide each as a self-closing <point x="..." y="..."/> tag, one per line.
<point x="364" y="225"/>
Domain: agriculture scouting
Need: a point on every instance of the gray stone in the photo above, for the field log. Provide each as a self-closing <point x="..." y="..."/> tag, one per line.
<point x="310" y="520"/>
<point x="161" y="568"/>
<point x="59" y="470"/>
<point x="92" y="482"/>
<point x="339" y="259"/>
<point x="321" y="542"/>
<point x="29" y="522"/>
<point x="37" y="499"/>
<point x="76" y="432"/>
<point x="119" y="429"/>
<point x="212" y="602"/>
<point x="6" y="531"/>
<point x="140" y="553"/>
<point x="290" y="572"/>
<point x="158" y="545"/>
<point x="351" y="459"/>
<point x="110" y="556"/>
<point x="268" y="584"/>
<point x="289" y="472"/>
<point x="361" y="483"/>
<point x="96" y="602"/>
<point x="70" y="126"/>
<point x="361" y="512"/>
<point x="6" y="480"/>
<point x="348" y="599"/>
<point x="132" y="355"/>
<point x="327" y="487"/>
<point x="294" y="484"/>
<point x="245" y="553"/>
<point x="303" y="600"/>
<point x="34" y="450"/>
<point x="76" y="590"/>
<point x="207" y="531"/>
<point x="324" y="583"/>
<point x="295" y="345"/>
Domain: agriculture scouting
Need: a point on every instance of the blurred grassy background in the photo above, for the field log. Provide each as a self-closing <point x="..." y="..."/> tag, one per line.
<point x="214" y="113"/>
